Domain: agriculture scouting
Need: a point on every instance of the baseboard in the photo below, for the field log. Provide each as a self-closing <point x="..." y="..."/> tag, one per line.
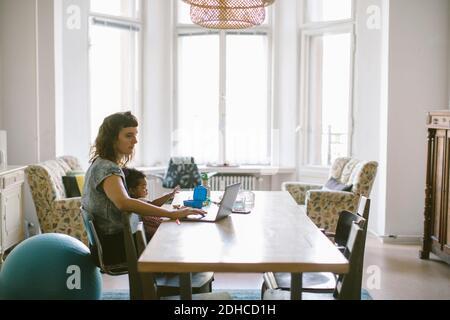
<point x="398" y="239"/>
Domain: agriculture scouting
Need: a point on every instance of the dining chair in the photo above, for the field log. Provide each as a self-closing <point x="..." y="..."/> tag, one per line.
<point x="325" y="282"/>
<point x="96" y="248"/>
<point x="163" y="284"/>
<point x="347" y="285"/>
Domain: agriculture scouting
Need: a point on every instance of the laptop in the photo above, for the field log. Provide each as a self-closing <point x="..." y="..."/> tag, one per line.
<point x="216" y="212"/>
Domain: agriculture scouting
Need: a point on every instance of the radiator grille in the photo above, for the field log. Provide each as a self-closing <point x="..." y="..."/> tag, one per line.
<point x="218" y="183"/>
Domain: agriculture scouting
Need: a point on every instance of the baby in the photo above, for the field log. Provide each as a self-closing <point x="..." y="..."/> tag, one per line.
<point x="137" y="189"/>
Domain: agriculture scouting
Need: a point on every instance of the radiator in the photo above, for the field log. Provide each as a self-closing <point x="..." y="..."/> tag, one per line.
<point x="218" y="183"/>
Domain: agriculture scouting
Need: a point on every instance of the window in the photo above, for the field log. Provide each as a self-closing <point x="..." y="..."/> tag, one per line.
<point x="222" y="94"/>
<point x="119" y="8"/>
<point x="114" y="59"/>
<point x="327" y="82"/>
<point x="327" y="10"/>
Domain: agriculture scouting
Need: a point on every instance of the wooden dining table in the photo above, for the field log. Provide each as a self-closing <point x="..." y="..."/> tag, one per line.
<point x="276" y="236"/>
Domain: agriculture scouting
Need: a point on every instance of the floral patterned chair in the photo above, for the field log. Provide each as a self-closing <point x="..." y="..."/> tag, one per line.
<point x="324" y="206"/>
<point x="56" y="213"/>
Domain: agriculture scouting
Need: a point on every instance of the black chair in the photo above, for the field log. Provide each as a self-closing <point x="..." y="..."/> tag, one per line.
<point x="96" y="248"/>
<point x="162" y="284"/>
<point x="325" y="282"/>
<point x="347" y="286"/>
<point x="167" y="284"/>
<point x="182" y="171"/>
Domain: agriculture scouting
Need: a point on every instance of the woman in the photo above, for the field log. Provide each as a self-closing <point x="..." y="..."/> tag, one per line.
<point x="105" y="196"/>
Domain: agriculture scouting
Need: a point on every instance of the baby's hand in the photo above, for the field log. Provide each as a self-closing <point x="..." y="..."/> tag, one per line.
<point x="175" y="191"/>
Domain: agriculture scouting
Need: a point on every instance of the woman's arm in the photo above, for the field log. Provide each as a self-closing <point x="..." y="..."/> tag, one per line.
<point x="115" y="191"/>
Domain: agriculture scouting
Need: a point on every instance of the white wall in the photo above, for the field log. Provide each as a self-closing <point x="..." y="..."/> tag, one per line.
<point x="27" y="79"/>
<point x="19" y="79"/>
<point x="46" y="80"/>
<point x="370" y="70"/>
<point x="285" y="82"/>
<point x="380" y="186"/>
<point x="155" y="137"/>
<point x="27" y="83"/>
<point x="402" y="72"/>
<point x="1" y="86"/>
<point x="59" y="86"/>
<point x="74" y="114"/>
<point x="418" y="82"/>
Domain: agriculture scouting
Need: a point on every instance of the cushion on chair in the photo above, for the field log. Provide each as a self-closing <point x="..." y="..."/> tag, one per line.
<point x="334" y="184"/>
<point x="311" y="280"/>
<point x="204" y="296"/>
<point x="73" y="185"/>
<point x="199" y="279"/>
<point x="75" y="173"/>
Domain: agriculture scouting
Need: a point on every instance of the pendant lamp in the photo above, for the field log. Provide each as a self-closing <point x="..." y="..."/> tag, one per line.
<point x="228" y="14"/>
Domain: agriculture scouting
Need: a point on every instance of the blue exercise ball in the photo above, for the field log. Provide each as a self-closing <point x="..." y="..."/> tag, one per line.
<point x="50" y="267"/>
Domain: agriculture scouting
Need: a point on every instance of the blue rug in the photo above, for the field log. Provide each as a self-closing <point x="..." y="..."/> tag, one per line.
<point x="365" y="295"/>
<point x="248" y="294"/>
<point x="235" y="294"/>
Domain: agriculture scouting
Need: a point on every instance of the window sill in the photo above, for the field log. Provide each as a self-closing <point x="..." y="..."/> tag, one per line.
<point x="244" y="169"/>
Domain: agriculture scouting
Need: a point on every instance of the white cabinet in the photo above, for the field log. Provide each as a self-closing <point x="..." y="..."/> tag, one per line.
<point x="12" y="221"/>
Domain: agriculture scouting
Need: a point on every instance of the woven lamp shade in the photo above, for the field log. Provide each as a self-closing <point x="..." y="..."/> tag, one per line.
<point x="228" y="14"/>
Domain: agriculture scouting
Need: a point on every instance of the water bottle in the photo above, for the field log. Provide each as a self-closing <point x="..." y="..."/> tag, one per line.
<point x="205" y="183"/>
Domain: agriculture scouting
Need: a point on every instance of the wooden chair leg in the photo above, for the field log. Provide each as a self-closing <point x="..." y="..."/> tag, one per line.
<point x="148" y="287"/>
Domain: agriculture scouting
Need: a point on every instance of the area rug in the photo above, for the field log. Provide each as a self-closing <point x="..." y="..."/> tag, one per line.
<point x="235" y="294"/>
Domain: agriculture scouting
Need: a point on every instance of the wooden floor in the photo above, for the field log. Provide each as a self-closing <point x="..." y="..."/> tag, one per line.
<point x="392" y="272"/>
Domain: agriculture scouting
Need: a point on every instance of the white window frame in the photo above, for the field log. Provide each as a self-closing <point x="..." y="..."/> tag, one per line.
<point x="266" y="29"/>
<point x="132" y="23"/>
<point x="306" y="32"/>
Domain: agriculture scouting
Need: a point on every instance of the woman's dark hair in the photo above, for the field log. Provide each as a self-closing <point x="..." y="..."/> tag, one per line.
<point x="132" y="177"/>
<point x="108" y="135"/>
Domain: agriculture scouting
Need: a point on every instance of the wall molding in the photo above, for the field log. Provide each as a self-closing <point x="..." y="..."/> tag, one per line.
<point x="398" y="239"/>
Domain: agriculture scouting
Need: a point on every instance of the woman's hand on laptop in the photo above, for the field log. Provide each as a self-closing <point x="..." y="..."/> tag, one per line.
<point x="184" y="212"/>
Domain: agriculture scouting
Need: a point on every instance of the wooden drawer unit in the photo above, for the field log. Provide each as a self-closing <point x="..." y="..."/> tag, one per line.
<point x="12" y="221"/>
<point x="436" y="237"/>
<point x="12" y="224"/>
<point x="9" y="179"/>
<point x="439" y="119"/>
